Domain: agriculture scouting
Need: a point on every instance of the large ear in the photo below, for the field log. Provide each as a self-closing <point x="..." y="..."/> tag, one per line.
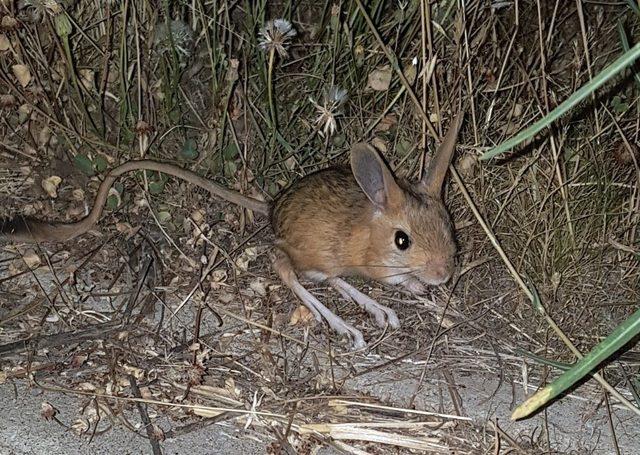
<point x="374" y="177"/>
<point x="433" y="177"/>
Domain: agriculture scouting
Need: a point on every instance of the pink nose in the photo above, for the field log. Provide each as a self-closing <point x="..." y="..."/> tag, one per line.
<point x="441" y="272"/>
<point x="444" y="277"/>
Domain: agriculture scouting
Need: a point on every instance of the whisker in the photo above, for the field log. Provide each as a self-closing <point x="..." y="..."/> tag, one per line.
<point x="385" y="266"/>
<point x="406" y="271"/>
<point x="392" y="275"/>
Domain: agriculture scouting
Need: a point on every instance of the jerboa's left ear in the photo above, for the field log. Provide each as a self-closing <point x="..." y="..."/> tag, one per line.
<point x="374" y="177"/>
<point x="433" y="176"/>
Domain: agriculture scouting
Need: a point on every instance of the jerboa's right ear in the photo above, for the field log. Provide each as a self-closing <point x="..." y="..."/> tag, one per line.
<point x="433" y="176"/>
<point x="374" y="177"/>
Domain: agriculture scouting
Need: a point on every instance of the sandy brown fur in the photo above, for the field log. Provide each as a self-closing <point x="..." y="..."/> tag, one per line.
<point x="325" y="223"/>
<point x="343" y="221"/>
<point x="318" y="220"/>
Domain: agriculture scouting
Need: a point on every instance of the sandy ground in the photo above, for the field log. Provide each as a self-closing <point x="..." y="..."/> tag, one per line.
<point x="576" y="425"/>
<point x="24" y="431"/>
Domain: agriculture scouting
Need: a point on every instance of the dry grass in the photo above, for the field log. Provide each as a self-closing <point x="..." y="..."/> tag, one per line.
<point x="212" y="338"/>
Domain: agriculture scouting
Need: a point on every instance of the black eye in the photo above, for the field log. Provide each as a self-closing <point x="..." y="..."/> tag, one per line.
<point x="402" y="240"/>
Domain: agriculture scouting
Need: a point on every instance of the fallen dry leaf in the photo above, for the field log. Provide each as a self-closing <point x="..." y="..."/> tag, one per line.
<point x="259" y="286"/>
<point x="7" y="101"/>
<point x="301" y="315"/>
<point x="232" y="71"/>
<point x="5" y="45"/>
<point x="24" y="112"/>
<point x="468" y="164"/>
<point x="78" y="360"/>
<point x="246" y="257"/>
<point x="87" y="76"/>
<point x="74" y="212"/>
<point x="47" y="411"/>
<point x="44" y="136"/>
<point x="205" y="412"/>
<point x="195" y="375"/>
<point x="136" y="372"/>
<point x="217" y="277"/>
<point x="226" y="297"/>
<point x="13" y="268"/>
<point x="338" y="407"/>
<point x="230" y="385"/>
<point x="626" y="153"/>
<point x="157" y="433"/>
<point x="410" y="72"/>
<point x="22" y="73"/>
<point x="31" y="258"/>
<point x="145" y="393"/>
<point x="380" y="78"/>
<point x="86" y="387"/>
<point x="124" y="228"/>
<point x="9" y="23"/>
<point x="386" y="123"/>
<point x="53" y="7"/>
<point x="78" y="194"/>
<point x="80" y="426"/>
<point x="379" y="143"/>
<point x="70" y="272"/>
<point x="517" y="110"/>
<point x="50" y="185"/>
<point x="197" y="215"/>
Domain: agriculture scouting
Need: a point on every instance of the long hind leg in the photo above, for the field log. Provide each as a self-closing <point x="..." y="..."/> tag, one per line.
<point x="282" y="265"/>
<point x="381" y="313"/>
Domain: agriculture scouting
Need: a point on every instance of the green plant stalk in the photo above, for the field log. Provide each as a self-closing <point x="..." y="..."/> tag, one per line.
<point x="542" y="360"/>
<point x="624" y="40"/>
<point x="125" y="101"/>
<point x="272" y="106"/>
<point x="622" y="62"/>
<point x="624" y="333"/>
<point x="172" y="70"/>
<point x="634" y="6"/>
<point x="63" y="29"/>
<point x="210" y="40"/>
<point x="100" y="112"/>
<point x="74" y="80"/>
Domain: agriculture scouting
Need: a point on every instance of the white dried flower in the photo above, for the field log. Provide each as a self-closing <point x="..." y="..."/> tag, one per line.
<point x="333" y="100"/>
<point x="275" y="35"/>
<point x="181" y="35"/>
<point x="39" y="8"/>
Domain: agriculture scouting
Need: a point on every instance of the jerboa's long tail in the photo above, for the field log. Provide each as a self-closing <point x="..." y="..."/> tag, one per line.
<point x="22" y="229"/>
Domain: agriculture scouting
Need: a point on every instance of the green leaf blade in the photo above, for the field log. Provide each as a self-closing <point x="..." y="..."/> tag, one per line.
<point x="624" y="333"/>
<point x="622" y="62"/>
